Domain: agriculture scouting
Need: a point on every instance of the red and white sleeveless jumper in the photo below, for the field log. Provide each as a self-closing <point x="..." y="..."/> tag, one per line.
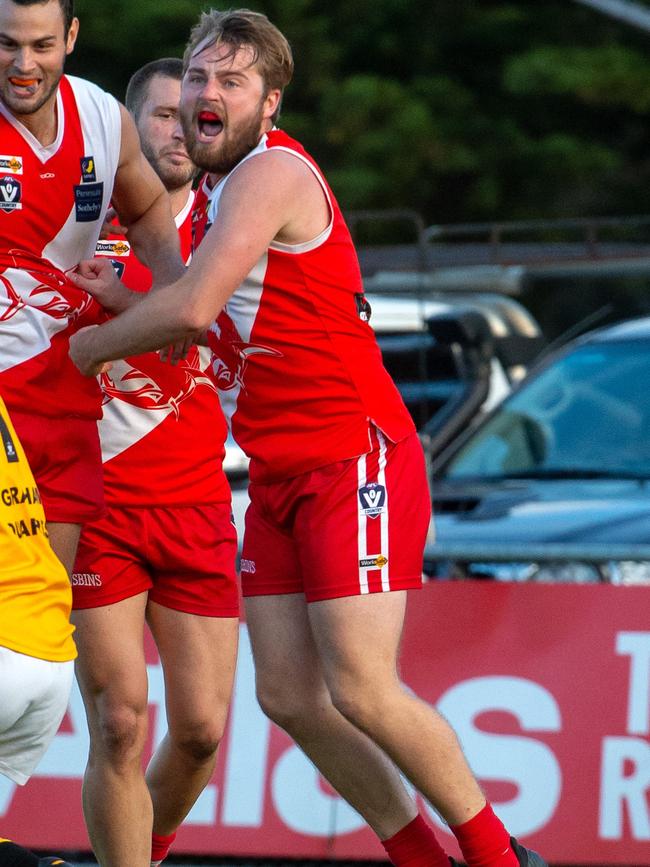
<point x="162" y="432"/>
<point x="300" y="373"/>
<point x="52" y="205"/>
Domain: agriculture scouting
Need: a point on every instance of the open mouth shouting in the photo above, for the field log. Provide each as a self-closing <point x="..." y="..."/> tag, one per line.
<point x="209" y="126"/>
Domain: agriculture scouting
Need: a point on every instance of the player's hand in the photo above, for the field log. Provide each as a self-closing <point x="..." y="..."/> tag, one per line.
<point x="98" y="278"/>
<point x="81" y="352"/>
<point x="111" y="228"/>
<point x="178" y="351"/>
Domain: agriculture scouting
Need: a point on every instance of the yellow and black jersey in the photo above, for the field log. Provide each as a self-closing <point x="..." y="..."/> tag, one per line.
<point x="35" y="593"/>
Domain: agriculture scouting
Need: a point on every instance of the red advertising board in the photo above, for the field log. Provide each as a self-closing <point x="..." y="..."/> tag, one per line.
<point x="547" y="686"/>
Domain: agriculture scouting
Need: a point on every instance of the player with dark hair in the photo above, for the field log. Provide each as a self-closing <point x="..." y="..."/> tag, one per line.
<point x="67" y="148"/>
<point x="164" y="552"/>
<point x="67" y="8"/>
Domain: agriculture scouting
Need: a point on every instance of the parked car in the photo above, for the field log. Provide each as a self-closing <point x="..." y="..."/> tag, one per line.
<point x="555" y="483"/>
<point x="453" y="355"/>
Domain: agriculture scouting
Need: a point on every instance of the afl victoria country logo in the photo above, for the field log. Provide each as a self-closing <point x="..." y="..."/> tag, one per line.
<point x="10" y="194"/>
<point x="372" y="498"/>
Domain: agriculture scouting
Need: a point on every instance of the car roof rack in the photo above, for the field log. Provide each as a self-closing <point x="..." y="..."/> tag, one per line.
<point x="498" y="256"/>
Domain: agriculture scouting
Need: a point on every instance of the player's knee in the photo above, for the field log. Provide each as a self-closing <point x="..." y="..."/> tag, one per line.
<point x="276" y="703"/>
<point x="122" y="732"/>
<point x="289" y="708"/>
<point x="358" y="704"/>
<point x="198" y="742"/>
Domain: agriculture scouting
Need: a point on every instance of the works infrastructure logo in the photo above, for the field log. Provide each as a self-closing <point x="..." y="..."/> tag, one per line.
<point x="11" y="165"/>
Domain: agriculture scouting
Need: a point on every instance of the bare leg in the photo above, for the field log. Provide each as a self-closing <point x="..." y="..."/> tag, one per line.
<point x="198" y="656"/>
<point x="293" y="693"/>
<point x="365" y="688"/>
<point x="112" y="675"/>
<point x="64" y="539"/>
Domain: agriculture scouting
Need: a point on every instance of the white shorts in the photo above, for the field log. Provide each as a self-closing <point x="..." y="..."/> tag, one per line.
<point x="33" y="700"/>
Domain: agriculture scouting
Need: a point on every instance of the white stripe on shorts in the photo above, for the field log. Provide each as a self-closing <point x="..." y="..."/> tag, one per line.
<point x="381" y="478"/>
<point x="362" y="527"/>
<point x="362" y="521"/>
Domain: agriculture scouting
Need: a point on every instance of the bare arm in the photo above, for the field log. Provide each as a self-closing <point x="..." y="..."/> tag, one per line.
<point x="143" y="207"/>
<point x="294" y="210"/>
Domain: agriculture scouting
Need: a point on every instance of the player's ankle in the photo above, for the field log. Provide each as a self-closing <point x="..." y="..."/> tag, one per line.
<point x="160" y="846"/>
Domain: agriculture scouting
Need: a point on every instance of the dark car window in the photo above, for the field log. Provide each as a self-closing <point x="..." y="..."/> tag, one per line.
<point x="587" y="411"/>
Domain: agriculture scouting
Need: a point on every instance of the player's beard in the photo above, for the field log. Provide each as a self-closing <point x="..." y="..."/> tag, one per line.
<point x="172" y="177"/>
<point x="232" y="145"/>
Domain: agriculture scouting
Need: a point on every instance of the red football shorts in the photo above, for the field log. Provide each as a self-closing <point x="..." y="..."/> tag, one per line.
<point x="354" y="527"/>
<point x="184" y="556"/>
<point x="66" y="460"/>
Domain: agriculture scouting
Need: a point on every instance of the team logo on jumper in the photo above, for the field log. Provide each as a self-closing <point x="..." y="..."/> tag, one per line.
<point x="8" y="443"/>
<point x="247" y="566"/>
<point x="47" y="289"/>
<point x="11" y="165"/>
<point x="117" y="247"/>
<point x="230" y="354"/>
<point x="373" y="499"/>
<point x="88" y="201"/>
<point x="10" y="194"/>
<point x="153" y="384"/>
<point x="377" y="562"/>
<point x="88" y="174"/>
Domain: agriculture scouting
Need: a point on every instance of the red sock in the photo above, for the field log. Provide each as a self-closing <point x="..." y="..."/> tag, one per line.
<point x="415" y="846"/>
<point x="160" y="845"/>
<point x="484" y="841"/>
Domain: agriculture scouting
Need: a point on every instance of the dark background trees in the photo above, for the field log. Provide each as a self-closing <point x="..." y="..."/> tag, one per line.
<point x="465" y="110"/>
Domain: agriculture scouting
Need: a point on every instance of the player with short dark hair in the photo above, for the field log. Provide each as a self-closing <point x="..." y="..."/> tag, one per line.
<point x="67" y="8"/>
<point x="67" y="148"/>
<point x="163" y="553"/>
<point x="138" y="86"/>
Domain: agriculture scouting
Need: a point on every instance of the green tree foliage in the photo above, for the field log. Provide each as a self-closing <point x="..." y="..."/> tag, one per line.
<point x="118" y="37"/>
<point x="461" y="109"/>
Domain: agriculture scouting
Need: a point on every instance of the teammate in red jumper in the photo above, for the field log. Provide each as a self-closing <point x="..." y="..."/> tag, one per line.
<point x="165" y="552"/>
<point x="339" y="499"/>
<point x="67" y="147"/>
